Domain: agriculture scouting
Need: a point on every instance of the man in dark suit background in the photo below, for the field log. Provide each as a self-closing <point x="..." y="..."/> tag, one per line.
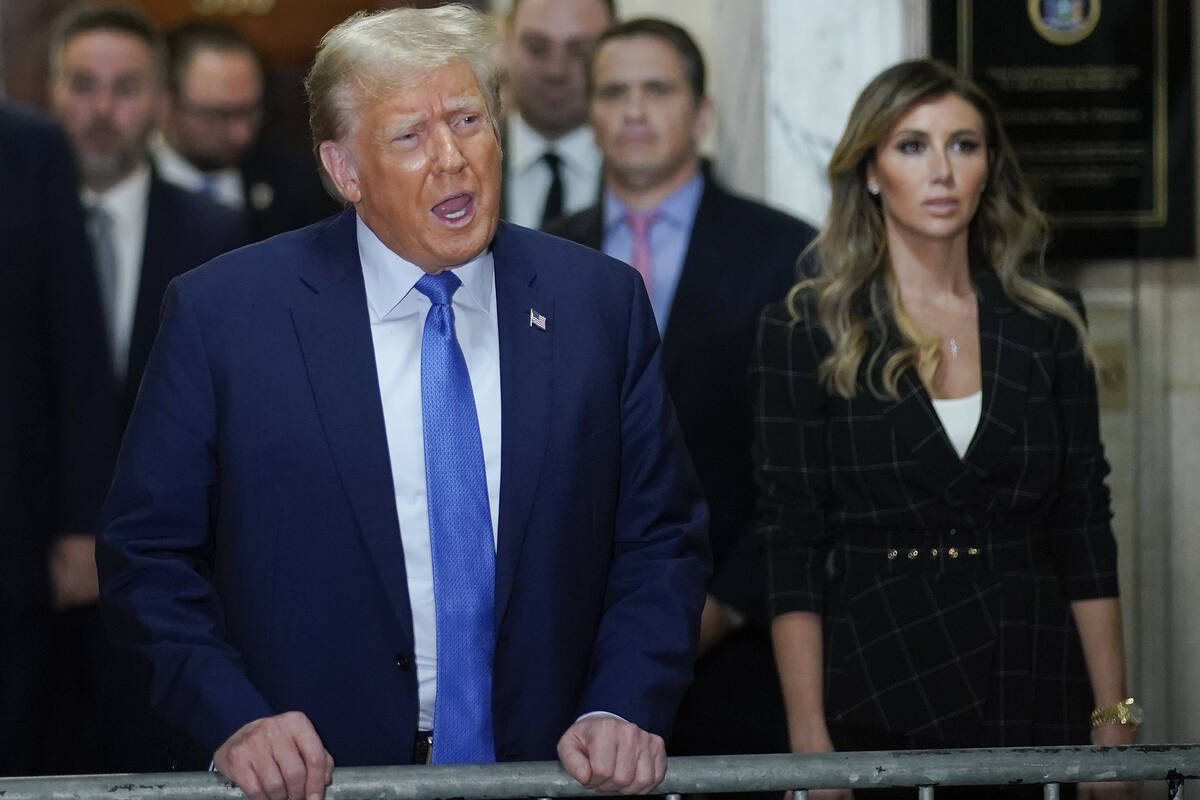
<point x="55" y="405"/>
<point x="212" y="140"/>
<point x="551" y="163"/>
<point x="330" y="416"/>
<point x="106" y="85"/>
<point x="711" y="261"/>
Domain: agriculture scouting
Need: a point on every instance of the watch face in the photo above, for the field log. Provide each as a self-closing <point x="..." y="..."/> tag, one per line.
<point x="1135" y="714"/>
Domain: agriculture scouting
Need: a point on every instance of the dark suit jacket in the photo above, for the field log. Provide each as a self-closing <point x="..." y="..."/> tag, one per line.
<point x="944" y="583"/>
<point x="252" y="547"/>
<point x="741" y="257"/>
<point x="183" y="230"/>
<point x="55" y="399"/>
<point x="283" y="190"/>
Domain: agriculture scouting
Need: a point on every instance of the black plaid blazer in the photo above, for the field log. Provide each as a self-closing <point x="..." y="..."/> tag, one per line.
<point x="944" y="584"/>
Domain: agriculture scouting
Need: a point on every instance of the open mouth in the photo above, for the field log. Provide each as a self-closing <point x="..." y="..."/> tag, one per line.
<point x="454" y="209"/>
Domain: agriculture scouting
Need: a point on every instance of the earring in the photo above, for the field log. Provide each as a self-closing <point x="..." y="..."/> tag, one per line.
<point x="873" y="189"/>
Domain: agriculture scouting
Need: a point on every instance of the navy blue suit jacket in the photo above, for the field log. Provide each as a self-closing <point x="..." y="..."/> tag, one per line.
<point x="252" y="548"/>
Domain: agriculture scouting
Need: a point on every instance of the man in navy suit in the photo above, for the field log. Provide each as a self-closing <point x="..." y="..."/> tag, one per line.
<point x="107" y="89"/>
<point x="273" y="520"/>
<point x="711" y="261"/>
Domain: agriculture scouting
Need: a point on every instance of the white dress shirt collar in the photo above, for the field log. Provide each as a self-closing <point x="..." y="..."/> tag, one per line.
<point x="389" y="279"/>
<point x="226" y="184"/>
<point x="577" y="149"/>
<point x="128" y="203"/>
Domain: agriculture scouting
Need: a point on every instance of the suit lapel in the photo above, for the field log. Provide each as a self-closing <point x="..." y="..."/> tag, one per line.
<point x="526" y="383"/>
<point x="1005" y="360"/>
<point x="333" y="326"/>
<point x="1006" y="357"/>
<point x="916" y="423"/>
<point x="700" y="280"/>
<point x="156" y="273"/>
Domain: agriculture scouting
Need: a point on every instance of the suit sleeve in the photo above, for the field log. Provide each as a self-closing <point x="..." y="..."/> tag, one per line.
<point x="156" y="552"/>
<point x="792" y="467"/>
<point x="1079" y="518"/>
<point x="647" y="636"/>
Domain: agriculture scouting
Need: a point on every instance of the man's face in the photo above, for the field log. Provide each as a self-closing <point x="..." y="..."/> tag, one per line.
<point x="547" y="48"/>
<point x="646" y="120"/>
<point x="108" y="97"/>
<point x="422" y="167"/>
<point x="215" y="116"/>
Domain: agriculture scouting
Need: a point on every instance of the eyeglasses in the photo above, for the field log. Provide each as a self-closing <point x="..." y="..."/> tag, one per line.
<point x="223" y="116"/>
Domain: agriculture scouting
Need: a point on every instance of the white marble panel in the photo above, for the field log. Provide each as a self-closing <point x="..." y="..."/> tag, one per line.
<point x="819" y="56"/>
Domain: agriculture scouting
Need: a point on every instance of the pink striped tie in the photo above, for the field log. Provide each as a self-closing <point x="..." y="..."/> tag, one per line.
<point x="643" y="258"/>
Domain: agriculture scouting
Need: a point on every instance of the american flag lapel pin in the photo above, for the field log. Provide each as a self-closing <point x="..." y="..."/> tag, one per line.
<point x="537" y="320"/>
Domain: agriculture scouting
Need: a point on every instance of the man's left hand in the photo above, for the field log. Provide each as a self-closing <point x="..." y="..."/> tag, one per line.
<point x="609" y="754"/>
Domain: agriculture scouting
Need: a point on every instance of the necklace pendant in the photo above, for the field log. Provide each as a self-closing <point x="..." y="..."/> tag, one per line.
<point x="953" y="347"/>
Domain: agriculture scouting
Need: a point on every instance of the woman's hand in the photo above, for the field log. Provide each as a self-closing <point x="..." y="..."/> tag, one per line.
<point x="815" y="739"/>
<point x="1110" y="736"/>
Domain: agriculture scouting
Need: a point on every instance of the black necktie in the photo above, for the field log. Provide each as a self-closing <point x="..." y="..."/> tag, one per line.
<point x="554" y="196"/>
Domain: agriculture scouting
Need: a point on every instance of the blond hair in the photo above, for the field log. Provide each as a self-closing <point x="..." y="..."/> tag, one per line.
<point x="371" y="53"/>
<point x="857" y="295"/>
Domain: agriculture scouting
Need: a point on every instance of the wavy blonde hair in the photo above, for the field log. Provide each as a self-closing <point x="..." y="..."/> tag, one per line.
<point x="856" y="290"/>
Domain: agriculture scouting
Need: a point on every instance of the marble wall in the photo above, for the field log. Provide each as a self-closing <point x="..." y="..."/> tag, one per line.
<point x="818" y="57"/>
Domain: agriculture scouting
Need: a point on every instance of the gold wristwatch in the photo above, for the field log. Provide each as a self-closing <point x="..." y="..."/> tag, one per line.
<point x="1126" y="712"/>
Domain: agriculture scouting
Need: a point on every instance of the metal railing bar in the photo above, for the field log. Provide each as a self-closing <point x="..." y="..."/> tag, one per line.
<point x="925" y="792"/>
<point x="707" y="774"/>
<point x="1050" y="791"/>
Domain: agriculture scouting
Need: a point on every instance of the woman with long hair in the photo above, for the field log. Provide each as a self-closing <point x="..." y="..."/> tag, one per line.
<point x="942" y="572"/>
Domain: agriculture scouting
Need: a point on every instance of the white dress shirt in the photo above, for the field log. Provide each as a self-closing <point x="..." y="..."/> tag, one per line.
<point x="398" y="312"/>
<point x="223" y="185"/>
<point x="127" y="202"/>
<point x="528" y="178"/>
<point x="960" y="417"/>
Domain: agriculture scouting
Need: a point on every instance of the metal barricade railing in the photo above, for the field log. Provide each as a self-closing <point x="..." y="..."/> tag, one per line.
<point x="925" y="770"/>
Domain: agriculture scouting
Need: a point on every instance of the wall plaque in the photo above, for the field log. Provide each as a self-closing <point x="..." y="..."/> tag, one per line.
<point x="1096" y="96"/>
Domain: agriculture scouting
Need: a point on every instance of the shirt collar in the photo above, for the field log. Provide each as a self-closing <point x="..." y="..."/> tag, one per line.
<point x="125" y="200"/>
<point x="389" y="279"/>
<point x="525" y="146"/>
<point x="677" y="208"/>
<point x="176" y="168"/>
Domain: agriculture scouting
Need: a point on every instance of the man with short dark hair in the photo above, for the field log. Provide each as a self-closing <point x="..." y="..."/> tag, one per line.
<point x="552" y="166"/>
<point x="710" y="261"/>
<point x="212" y="140"/>
<point x="405" y="485"/>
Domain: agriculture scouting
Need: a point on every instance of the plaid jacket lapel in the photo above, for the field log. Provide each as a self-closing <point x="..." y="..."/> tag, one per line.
<point x="1006" y="356"/>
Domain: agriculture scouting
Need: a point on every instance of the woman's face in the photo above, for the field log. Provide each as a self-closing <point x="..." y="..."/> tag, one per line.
<point x="930" y="170"/>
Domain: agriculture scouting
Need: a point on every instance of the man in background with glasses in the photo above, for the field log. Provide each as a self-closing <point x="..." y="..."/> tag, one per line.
<point x="212" y="139"/>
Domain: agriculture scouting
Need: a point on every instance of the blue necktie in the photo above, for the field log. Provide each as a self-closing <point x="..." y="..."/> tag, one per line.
<point x="460" y="536"/>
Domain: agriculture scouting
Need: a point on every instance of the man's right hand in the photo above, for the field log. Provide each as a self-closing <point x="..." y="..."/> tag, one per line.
<point x="277" y="758"/>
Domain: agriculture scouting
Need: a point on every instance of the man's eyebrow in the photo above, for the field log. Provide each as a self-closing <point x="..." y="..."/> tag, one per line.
<point x="466" y="102"/>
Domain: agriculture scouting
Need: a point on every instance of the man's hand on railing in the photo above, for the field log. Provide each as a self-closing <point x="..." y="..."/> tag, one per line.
<point x="277" y="758"/>
<point x="607" y="753"/>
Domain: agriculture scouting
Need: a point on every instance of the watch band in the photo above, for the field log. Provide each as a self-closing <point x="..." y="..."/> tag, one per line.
<point x="1126" y="712"/>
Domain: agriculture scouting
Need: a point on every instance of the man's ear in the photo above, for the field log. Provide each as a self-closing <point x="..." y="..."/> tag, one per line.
<point x="339" y="165"/>
<point x="704" y="112"/>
